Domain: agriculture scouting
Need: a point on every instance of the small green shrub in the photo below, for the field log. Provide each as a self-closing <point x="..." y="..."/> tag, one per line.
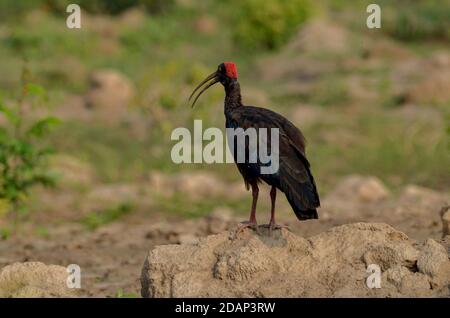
<point x="421" y="20"/>
<point x="268" y="23"/>
<point x="22" y="156"/>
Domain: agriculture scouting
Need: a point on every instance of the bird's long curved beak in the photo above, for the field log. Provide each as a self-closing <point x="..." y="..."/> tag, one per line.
<point x="210" y="81"/>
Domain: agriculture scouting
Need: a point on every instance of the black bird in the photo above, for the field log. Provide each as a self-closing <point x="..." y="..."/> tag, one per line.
<point x="294" y="176"/>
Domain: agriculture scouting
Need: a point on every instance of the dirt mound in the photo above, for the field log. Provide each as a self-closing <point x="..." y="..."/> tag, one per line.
<point x="360" y="188"/>
<point x="353" y="194"/>
<point x="445" y="215"/>
<point x="319" y="36"/>
<point x="413" y="87"/>
<point x="110" y="91"/>
<point x="331" y="264"/>
<point x="33" y="279"/>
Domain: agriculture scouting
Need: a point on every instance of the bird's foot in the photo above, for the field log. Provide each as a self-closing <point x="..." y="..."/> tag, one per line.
<point x="246" y="224"/>
<point x="273" y="226"/>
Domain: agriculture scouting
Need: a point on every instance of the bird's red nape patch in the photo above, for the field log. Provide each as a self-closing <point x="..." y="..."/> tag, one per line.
<point x="231" y="69"/>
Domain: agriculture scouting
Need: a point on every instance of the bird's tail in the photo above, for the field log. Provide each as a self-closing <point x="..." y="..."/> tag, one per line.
<point x="302" y="196"/>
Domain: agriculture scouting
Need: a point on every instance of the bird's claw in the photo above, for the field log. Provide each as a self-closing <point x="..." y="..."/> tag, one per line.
<point x="246" y="224"/>
<point x="273" y="226"/>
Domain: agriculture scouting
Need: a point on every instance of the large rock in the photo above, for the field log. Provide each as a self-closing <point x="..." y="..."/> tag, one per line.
<point x="353" y="196"/>
<point x="424" y="81"/>
<point x="360" y="188"/>
<point x="445" y="215"/>
<point x="318" y="36"/>
<point x="331" y="264"/>
<point x="34" y="279"/>
<point x="110" y="91"/>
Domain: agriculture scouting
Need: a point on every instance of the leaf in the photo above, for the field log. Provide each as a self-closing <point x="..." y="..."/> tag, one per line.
<point x="4" y="207"/>
<point x="35" y="90"/>
<point x="42" y="126"/>
<point x="3" y="134"/>
<point x="9" y="114"/>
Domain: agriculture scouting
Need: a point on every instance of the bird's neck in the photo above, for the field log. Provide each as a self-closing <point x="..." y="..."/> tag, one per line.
<point x="233" y="96"/>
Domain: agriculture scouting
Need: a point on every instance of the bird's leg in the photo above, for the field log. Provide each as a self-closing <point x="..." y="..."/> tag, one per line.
<point x="251" y="223"/>
<point x="272" y="224"/>
<point x="273" y="197"/>
<point x="255" y="192"/>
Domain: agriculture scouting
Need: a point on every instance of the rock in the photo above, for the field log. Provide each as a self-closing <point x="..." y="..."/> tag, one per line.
<point x="433" y="260"/>
<point x="331" y="264"/>
<point x="416" y="200"/>
<point x="423" y="80"/>
<point x="187" y="239"/>
<point x="360" y="188"/>
<point x="206" y="25"/>
<point x="34" y="279"/>
<point x="445" y="216"/>
<point x="110" y="91"/>
<point x="319" y="36"/>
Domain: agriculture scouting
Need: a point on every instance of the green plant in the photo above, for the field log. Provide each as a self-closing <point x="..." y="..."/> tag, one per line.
<point x="121" y="294"/>
<point x="421" y="20"/>
<point x="98" y="218"/>
<point x="4" y="233"/>
<point x="42" y="231"/>
<point x="22" y="156"/>
<point x="268" y="23"/>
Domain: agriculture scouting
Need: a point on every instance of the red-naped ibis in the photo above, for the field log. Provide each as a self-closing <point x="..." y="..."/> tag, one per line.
<point x="294" y="176"/>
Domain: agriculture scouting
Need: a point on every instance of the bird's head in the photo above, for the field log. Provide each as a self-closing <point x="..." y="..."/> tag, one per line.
<point x="226" y="74"/>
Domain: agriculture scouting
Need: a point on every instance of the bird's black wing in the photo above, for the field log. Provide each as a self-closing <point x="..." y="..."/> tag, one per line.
<point x="294" y="177"/>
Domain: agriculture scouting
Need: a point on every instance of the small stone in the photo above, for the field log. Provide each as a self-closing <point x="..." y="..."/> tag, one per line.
<point x="34" y="280"/>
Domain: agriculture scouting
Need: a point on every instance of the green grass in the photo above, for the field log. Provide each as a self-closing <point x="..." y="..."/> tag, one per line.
<point x="42" y="231"/>
<point x="121" y="294"/>
<point x="386" y="146"/>
<point x="96" y="219"/>
<point x="179" y="205"/>
<point x="5" y="233"/>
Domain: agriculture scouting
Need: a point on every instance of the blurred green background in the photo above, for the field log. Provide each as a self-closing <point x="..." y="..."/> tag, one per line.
<point x="370" y="101"/>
